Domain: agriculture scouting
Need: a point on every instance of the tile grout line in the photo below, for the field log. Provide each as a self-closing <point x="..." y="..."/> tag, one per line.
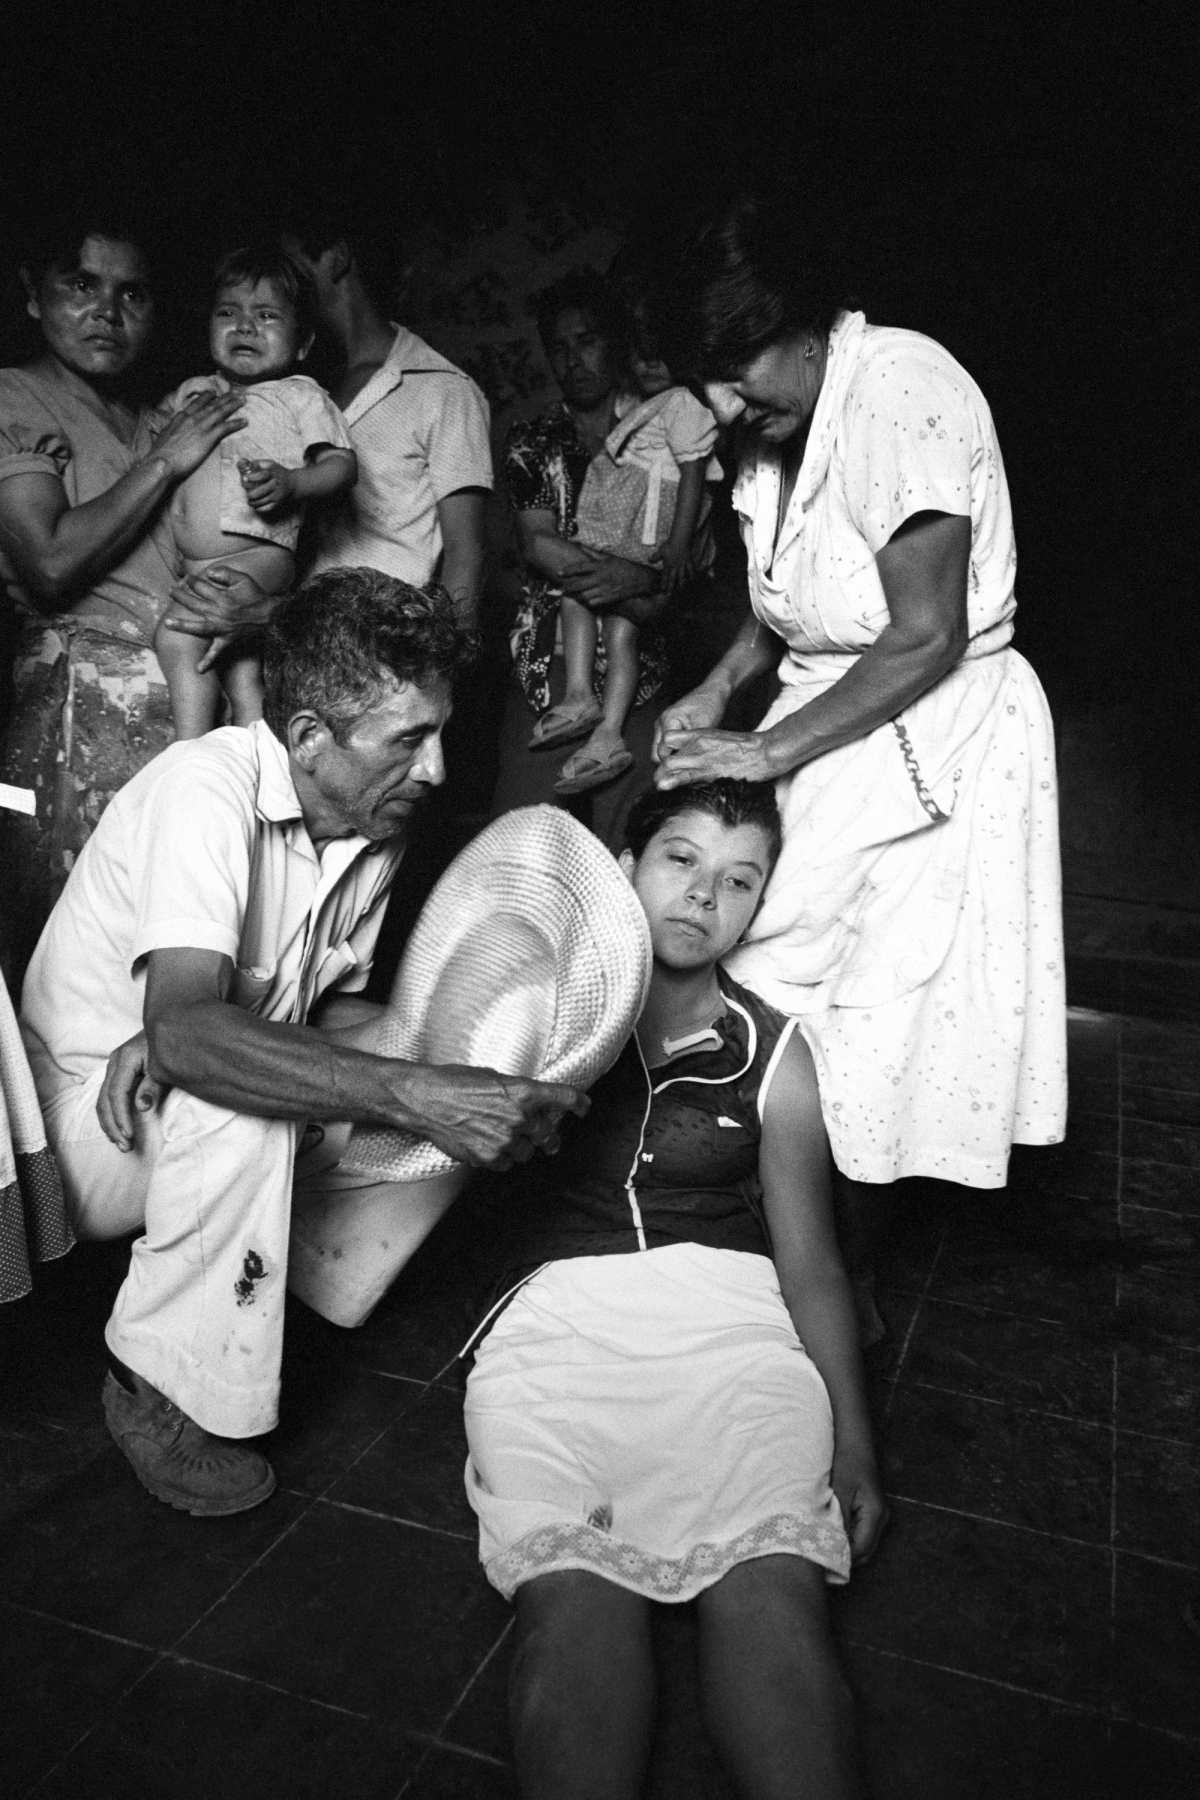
<point x="43" y="1778"/>
<point x="107" y="1637"/>
<point x="272" y="1687"/>
<point x="304" y="1512"/>
<point x="238" y="1579"/>
<point x="1056" y="1537"/>
<point x="370" y="1512"/>
<point x="173" y="1652"/>
<point x="508" y="1628"/>
<point x="993" y="1681"/>
<point x="1038" y="1412"/>
<point x="1112" y="1536"/>
<point x="388" y="1375"/>
<point x="1118" y="1295"/>
<point x="912" y="1323"/>
<point x="1136" y="1206"/>
<point x="994" y="1312"/>
<point x="1033" y="1412"/>
<point x="440" y="1743"/>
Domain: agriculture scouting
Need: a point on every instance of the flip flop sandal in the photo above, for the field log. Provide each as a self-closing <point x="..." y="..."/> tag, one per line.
<point x="580" y="772"/>
<point x="563" y="724"/>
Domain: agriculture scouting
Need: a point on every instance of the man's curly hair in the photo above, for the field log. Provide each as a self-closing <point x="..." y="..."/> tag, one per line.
<point x="336" y="645"/>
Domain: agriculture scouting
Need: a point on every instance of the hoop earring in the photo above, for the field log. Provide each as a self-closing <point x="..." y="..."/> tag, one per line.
<point x="810" y="351"/>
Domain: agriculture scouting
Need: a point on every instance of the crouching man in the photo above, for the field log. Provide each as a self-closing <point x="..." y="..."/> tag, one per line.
<point x="186" y="1012"/>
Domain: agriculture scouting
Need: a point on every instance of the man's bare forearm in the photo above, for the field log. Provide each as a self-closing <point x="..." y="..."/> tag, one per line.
<point x="462" y="517"/>
<point x="462" y="578"/>
<point x="273" y="1071"/>
<point x="552" y="555"/>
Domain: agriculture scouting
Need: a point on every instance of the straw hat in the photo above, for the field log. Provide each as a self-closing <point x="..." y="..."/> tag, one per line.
<point x="531" y="956"/>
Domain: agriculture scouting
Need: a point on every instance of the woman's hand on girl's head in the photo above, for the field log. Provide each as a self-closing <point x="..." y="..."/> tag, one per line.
<point x="860" y="1496"/>
<point x="195" y="431"/>
<point x="695" y="712"/>
<point x="686" y="756"/>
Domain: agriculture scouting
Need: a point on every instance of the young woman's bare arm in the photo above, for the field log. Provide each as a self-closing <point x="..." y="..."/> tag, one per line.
<point x="795" y="1167"/>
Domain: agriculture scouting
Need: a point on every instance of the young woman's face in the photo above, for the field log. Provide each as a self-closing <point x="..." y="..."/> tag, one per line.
<point x="97" y="317"/>
<point x="254" y="334"/>
<point x="699" y="882"/>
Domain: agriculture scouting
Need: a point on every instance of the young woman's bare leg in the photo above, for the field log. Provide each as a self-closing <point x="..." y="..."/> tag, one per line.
<point x="775" y="1699"/>
<point x="582" y="1688"/>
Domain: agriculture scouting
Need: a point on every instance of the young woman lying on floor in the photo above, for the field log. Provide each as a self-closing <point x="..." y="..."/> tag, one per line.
<point x="670" y="1405"/>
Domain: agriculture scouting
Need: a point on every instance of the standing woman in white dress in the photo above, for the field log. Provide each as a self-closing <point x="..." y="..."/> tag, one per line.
<point x="913" y="919"/>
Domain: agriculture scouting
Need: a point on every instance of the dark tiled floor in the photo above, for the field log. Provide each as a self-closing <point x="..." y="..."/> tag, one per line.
<point x="1020" y="1634"/>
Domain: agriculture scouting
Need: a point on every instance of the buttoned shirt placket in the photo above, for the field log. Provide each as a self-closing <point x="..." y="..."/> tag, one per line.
<point x="278" y="807"/>
<point x="641" y="1155"/>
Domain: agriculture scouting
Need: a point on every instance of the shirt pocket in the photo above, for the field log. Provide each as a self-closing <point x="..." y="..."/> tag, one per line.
<point x="732" y="1147"/>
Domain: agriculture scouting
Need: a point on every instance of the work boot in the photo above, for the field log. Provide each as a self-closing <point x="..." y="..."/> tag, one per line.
<point x="176" y="1459"/>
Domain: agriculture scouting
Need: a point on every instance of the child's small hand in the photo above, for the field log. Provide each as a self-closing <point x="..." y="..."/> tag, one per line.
<point x="675" y="562"/>
<point x="267" y="485"/>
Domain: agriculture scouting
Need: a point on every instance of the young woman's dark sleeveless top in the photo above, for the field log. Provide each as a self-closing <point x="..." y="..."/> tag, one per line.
<point x="664" y="1156"/>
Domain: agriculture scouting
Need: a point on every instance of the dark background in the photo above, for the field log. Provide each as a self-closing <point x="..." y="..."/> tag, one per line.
<point x="1021" y="188"/>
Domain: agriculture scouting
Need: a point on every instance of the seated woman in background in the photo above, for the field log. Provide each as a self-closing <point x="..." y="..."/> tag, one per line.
<point x="584" y="332"/>
<point x="644" y="498"/>
<point x="670" y="1406"/>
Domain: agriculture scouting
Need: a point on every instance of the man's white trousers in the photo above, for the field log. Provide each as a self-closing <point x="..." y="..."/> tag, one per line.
<point x="200" y="1314"/>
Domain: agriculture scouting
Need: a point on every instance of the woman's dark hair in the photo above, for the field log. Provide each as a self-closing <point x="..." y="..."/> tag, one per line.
<point x="332" y="645"/>
<point x="267" y="262"/>
<point x="587" y="291"/>
<point x="732" y="802"/>
<point x="55" y="239"/>
<point x="751" y="278"/>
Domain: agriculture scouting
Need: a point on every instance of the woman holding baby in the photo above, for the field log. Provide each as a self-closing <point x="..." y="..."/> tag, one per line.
<point x="87" y="555"/>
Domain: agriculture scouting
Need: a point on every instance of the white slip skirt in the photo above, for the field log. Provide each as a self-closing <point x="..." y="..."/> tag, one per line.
<point x="652" y="1418"/>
